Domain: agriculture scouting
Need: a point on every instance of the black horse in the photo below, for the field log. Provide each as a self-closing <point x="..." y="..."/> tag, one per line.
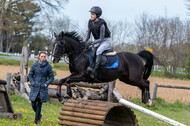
<point x="133" y="69"/>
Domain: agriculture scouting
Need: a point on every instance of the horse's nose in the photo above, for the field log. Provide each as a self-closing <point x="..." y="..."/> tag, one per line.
<point x="52" y="59"/>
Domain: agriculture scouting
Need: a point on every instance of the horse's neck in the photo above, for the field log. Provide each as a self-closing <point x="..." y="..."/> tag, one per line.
<point x="75" y="56"/>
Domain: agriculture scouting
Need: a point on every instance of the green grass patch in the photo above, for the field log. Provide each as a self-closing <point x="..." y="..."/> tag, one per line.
<point x="178" y="111"/>
<point x="58" y="66"/>
<point x="4" y="55"/>
<point x="12" y="62"/>
<point x="50" y="113"/>
<point x="169" y="75"/>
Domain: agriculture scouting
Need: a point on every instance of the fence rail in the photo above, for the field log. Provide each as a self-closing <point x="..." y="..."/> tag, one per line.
<point x="155" y="87"/>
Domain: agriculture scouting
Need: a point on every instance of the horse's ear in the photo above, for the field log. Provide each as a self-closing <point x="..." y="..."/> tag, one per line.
<point x="55" y="35"/>
<point x="62" y="33"/>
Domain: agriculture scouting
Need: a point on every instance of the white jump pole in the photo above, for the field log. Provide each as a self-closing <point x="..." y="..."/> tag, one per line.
<point x="144" y="110"/>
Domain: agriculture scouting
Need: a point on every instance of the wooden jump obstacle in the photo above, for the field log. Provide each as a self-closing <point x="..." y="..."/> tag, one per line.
<point x="6" y="109"/>
<point x="93" y="113"/>
<point x="80" y="90"/>
<point x="155" y="87"/>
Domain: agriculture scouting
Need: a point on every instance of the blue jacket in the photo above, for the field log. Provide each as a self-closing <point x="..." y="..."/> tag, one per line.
<point x="38" y="77"/>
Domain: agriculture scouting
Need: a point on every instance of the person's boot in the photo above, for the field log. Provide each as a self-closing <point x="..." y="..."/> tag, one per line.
<point x="35" y="122"/>
<point x="97" y="64"/>
<point x="39" y="120"/>
<point x="91" y="66"/>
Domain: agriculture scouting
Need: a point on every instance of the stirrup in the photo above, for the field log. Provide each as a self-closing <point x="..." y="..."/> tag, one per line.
<point x="93" y="75"/>
<point x="89" y="69"/>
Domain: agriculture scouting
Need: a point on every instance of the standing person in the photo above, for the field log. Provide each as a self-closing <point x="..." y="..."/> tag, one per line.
<point x="99" y="29"/>
<point x="40" y="76"/>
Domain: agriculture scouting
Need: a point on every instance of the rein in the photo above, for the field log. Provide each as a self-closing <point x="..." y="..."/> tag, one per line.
<point x="83" y="52"/>
<point x="71" y="52"/>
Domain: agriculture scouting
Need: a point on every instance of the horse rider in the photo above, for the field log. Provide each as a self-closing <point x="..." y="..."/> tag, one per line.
<point x="99" y="29"/>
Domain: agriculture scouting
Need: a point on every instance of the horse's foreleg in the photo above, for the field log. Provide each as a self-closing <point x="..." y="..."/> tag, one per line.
<point x="73" y="78"/>
<point x="59" y="89"/>
<point x="69" y="91"/>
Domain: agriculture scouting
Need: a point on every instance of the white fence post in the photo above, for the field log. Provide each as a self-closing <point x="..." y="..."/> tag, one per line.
<point x="154" y="91"/>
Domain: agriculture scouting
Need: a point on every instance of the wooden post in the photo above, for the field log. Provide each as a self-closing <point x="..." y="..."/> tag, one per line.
<point x="8" y="79"/>
<point x="110" y="91"/>
<point x="154" y="92"/>
<point x="24" y="67"/>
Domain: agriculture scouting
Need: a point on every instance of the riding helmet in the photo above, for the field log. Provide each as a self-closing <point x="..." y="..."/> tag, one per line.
<point x="96" y="10"/>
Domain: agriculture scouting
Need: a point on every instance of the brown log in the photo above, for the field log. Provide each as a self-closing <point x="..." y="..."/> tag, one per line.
<point x="92" y="102"/>
<point x="25" y="96"/>
<point x="27" y="87"/>
<point x="69" y="123"/>
<point x="82" y="120"/>
<point x="83" y="110"/>
<point x="85" y="106"/>
<point x="52" y="92"/>
<point x="83" y="115"/>
<point x="15" y="90"/>
<point x="80" y="84"/>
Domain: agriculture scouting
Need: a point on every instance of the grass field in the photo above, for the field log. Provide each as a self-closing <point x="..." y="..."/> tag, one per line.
<point x="59" y="66"/>
<point x="177" y="111"/>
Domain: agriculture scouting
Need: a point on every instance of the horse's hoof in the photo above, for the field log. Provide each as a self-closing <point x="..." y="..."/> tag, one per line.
<point x="150" y="103"/>
<point x="60" y="99"/>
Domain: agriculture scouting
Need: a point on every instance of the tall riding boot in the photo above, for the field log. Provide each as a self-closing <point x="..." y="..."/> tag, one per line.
<point x="97" y="64"/>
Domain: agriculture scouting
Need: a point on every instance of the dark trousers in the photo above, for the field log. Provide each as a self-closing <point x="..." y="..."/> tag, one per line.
<point x="37" y="105"/>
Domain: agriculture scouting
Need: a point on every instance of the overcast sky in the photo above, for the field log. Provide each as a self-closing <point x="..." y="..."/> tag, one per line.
<point x="129" y="10"/>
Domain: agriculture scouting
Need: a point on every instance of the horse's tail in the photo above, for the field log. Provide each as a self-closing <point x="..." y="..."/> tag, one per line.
<point x="148" y="57"/>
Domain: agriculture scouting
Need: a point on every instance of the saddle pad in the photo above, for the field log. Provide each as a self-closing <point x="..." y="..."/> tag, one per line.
<point x="111" y="53"/>
<point x="112" y="62"/>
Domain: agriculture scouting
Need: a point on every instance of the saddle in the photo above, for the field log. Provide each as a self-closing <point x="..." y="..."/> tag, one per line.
<point x="109" y="57"/>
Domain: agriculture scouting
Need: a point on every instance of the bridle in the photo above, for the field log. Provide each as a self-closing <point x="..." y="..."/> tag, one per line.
<point x="68" y="53"/>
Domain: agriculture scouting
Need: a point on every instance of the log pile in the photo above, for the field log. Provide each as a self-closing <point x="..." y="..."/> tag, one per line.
<point x="80" y="90"/>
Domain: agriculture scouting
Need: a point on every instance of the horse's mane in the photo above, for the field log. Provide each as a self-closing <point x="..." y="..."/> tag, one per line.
<point x="74" y="35"/>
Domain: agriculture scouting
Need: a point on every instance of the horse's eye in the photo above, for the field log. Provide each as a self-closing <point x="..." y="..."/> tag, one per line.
<point x="60" y="43"/>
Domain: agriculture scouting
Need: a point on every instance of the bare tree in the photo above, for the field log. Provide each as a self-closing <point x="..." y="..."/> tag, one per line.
<point x="167" y="38"/>
<point x="121" y="33"/>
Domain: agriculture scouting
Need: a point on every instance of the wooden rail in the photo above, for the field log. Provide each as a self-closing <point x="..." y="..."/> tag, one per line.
<point x="155" y="87"/>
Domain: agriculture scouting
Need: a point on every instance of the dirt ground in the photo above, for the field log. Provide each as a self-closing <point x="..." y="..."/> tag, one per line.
<point x="127" y="91"/>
